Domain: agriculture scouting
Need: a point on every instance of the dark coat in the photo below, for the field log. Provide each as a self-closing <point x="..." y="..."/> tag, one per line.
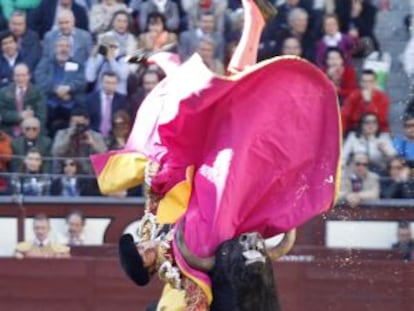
<point x="20" y="146"/>
<point x="31" y="49"/>
<point x="6" y="72"/>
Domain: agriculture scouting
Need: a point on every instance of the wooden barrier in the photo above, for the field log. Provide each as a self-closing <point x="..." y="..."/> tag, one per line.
<point x="91" y="284"/>
<point x="124" y="211"/>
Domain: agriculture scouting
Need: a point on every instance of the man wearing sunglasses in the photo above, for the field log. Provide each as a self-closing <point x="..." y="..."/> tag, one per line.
<point x="358" y="182"/>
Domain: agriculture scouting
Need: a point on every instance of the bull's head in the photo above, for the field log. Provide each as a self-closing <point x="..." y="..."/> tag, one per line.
<point x="251" y="245"/>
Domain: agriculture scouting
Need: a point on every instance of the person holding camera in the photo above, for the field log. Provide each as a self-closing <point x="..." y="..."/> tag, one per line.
<point x="104" y="58"/>
<point x="78" y="140"/>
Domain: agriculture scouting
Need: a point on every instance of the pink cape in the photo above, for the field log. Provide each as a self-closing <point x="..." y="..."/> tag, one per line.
<point x="265" y="144"/>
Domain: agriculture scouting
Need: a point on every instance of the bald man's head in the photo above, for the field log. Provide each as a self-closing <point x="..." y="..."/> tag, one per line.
<point x="21" y="75"/>
<point x="66" y="22"/>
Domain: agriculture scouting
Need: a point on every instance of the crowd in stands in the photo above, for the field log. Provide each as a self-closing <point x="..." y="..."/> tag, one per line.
<point x="67" y="90"/>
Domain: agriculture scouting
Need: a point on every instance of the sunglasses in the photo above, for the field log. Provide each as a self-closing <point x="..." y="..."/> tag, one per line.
<point x="361" y="164"/>
<point x="409" y="125"/>
<point x="370" y="121"/>
<point x="31" y="128"/>
<point x="69" y="164"/>
<point x="396" y="167"/>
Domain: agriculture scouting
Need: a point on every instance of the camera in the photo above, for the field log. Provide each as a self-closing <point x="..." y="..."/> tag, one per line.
<point x="80" y="129"/>
<point x="103" y="50"/>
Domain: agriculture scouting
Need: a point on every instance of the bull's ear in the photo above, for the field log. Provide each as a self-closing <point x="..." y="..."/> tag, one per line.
<point x="131" y="261"/>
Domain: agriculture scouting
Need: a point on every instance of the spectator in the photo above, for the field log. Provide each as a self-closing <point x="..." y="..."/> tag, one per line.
<point x="334" y="38"/>
<point x="341" y="74"/>
<point x="44" y="18"/>
<point x="369" y="140"/>
<point x="120" y="30"/>
<point x="298" y="26"/>
<point x="5" y="158"/>
<point x="156" y="36"/>
<point x="194" y="9"/>
<point x="102" y="13"/>
<point x="81" y="40"/>
<point x="21" y="100"/>
<point x="292" y="46"/>
<point x="78" y="140"/>
<point x="399" y="184"/>
<point x="42" y="245"/>
<point x="9" y="58"/>
<point x="407" y="59"/>
<point x="366" y="99"/>
<point x="281" y="20"/>
<point x="74" y="236"/>
<point x="405" y="144"/>
<point x="357" y="19"/>
<point x="27" y="40"/>
<point x="63" y="82"/>
<point x="206" y="47"/>
<point x="102" y="104"/>
<point x="190" y="39"/>
<point x="71" y="184"/>
<point x="105" y="57"/>
<point x="358" y="183"/>
<point x="121" y="127"/>
<point x="166" y="7"/>
<point x="150" y="79"/>
<point x="31" y="181"/>
<point x="405" y="243"/>
<point x="31" y="138"/>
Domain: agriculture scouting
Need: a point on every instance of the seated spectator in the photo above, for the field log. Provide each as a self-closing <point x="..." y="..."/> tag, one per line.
<point x="81" y="40"/>
<point x="205" y="49"/>
<point x="189" y="40"/>
<point x="399" y="183"/>
<point x="150" y="79"/>
<point x="27" y="40"/>
<point x="44" y="18"/>
<point x="357" y="19"/>
<point x="31" y="138"/>
<point x="102" y="13"/>
<point x="63" y="82"/>
<point x="298" y="26"/>
<point x="358" y="183"/>
<point x="292" y="46"/>
<point x="31" y="181"/>
<point x="5" y="158"/>
<point x="369" y="140"/>
<point x="405" y="144"/>
<point x="78" y="140"/>
<point x="74" y="236"/>
<point x="156" y="36"/>
<point x="121" y="127"/>
<point x="102" y="104"/>
<point x="405" y="242"/>
<point x="42" y="245"/>
<point x="332" y="37"/>
<point x="407" y="59"/>
<point x="9" y="57"/>
<point x="366" y="99"/>
<point x="166" y="7"/>
<point x="105" y="57"/>
<point x="21" y="100"/>
<point x="120" y="30"/>
<point x="194" y="8"/>
<point x="283" y="11"/>
<point x="341" y="74"/>
<point x="71" y="184"/>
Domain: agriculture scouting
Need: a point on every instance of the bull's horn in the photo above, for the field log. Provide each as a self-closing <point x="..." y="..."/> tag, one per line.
<point x="201" y="264"/>
<point x="283" y="247"/>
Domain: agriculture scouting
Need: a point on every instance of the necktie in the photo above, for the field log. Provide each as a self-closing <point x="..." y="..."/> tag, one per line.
<point x="106" y="116"/>
<point x="19" y="106"/>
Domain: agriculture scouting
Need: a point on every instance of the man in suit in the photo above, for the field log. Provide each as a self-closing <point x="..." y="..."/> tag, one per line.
<point x="27" y="40"/>
<point x="9" y="57"/>
<point x="63" y="81"/>
<point x="81" y="40"/>
<point x="102" y="104"/>
<point x="405" y="243"/>
<point x="31" y="138"/>
<point x="44" y="18"/>
<point x="190" y="39"/>
<point x="21" y="100"/>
